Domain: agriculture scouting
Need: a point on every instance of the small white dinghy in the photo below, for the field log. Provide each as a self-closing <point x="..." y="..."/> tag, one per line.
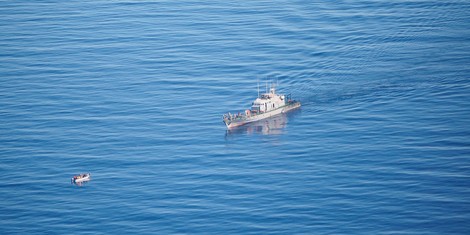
<point x="81" y="178"/>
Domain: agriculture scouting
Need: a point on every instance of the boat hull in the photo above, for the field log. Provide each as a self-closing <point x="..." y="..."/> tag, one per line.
<point x="245" y="120"/>
<point x="81" y="180"/>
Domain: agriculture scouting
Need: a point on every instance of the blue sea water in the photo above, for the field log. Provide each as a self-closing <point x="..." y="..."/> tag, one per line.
<point x="134" y="92"/>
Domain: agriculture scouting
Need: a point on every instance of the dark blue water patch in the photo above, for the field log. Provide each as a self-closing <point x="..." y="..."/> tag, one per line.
<point x="134" y="92"/>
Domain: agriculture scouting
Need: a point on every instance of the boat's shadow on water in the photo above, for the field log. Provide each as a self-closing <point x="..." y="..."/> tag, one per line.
<point x="271" y="126"/>
<point x="80" y="184"/>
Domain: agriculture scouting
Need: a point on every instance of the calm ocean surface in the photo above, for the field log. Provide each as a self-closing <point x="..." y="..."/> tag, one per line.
<point x="134" y="92"/>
